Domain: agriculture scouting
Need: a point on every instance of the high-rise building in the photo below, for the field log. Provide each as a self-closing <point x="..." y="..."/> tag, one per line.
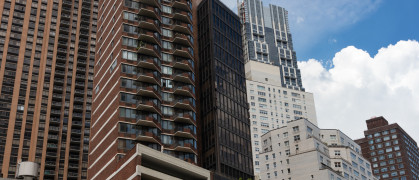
<point x="267" y="38"/>
<point x="271" y="105"/>
<point x="302" y="151"/>
<point x="144" y="85"/>
<point x="392" y="152"/>
<point x="226" y="145"/>
<point x="47" y="53"/>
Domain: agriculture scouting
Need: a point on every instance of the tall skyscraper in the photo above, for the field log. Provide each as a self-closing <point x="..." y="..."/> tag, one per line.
<point x="302" y="151"/>
<point x="226" y="147"/>
<point x="47" y="53"/>
<point x="144" y="85"/>
<point x="392" y="152"/>
<point x="271" y="105"/>
<point x="267" y="38"/>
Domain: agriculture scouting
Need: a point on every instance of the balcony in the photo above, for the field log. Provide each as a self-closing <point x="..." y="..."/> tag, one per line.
<point x="183" y="27"/>
<point x="149" y="36"/>
<point x="149" y="135"/>
<point x="148" y="49"/>
<point x="151" y="120"/>
<point x="183" y="51"/>
<point x="52" y="146"/>
<point x="187" y="103"/>
<point x="149" y="23"/>
<point x="149" y="10"/>
<point x="185" y="90"/>
<point x="155" y="3"/>
<point x="149" y="104"/>
<point x="149" y="63"/>
<point x="183" y="39"/>
<point x="149" y="90"/>
<point x="49" y="173"/>
<point x="185" y="132"/>
<point x="184" y="64"/>
<point x="185" y="117"/>
<point x="182" y="4"/>
<point x="149" y="76"/>
<point x="182" y="15"/>
<point x="184" y="76"/>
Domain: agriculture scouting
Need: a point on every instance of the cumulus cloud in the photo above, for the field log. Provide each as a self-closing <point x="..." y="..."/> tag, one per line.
<point x="359" y="87"/>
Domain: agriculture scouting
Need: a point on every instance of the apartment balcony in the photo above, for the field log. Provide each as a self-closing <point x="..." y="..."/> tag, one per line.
<point x="185" y="90"/>
<point x="155" y="3"/>
<point x="183" y="39"/>
<point x="184" y="64"/>
<point x="183" y="146"/>
<point x="150" y="135"/>
<point x="149" y="36"/>
<point x="77" y="124"/>
<point x="149" y="23"/>
<point x="183" y="51"/>
<point x="50" y="164"/>
<point x="187" y="103"/>
<point x="149" y="104"/>
<point x="150" y="120"/>
<point x="185" y="132"/>
<point x="54" y="129"/>
<point x="185" y="5"/>
<point x="149" y="49"/>
<point x="73" y="166"/>
<point x="182" y="27"/>
<point x="149" y="76"/>
<point x="52" y="146"/>
<point x="56" y="104"/>
<point x="149" y="62"/>
<point x="182" y="15"/>
<point x="185" y="117"/>
<point x="51" y="154"/>
<point x="149" y="10"/>
<point x="149" y="90"/>
<point x="54" y="121"/>
<point x="49" y="173"/>
<point x="184" y="76"/>
<point x="74" y="157"/>
<point x="74" y="148"/>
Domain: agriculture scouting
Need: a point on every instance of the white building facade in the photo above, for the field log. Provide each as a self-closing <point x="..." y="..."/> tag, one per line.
<point x="271" y="105"/>
<point x="302" y="151"/>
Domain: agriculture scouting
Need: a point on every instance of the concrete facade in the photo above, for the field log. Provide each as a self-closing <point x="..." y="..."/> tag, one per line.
<point x="271" y="105"/>
<point x="302" y="151"/>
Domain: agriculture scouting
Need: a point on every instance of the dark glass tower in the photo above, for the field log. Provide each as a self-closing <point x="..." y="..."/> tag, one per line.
<point x="267" y="38"/>
<point x="226" y="145"/>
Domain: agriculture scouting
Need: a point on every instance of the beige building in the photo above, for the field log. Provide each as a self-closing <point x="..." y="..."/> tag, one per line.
<point x="272" y="105"/>
<point x="301" y="151"/>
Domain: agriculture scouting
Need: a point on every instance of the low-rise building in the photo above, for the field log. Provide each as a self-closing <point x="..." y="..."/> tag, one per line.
<point x="300" y="151"/>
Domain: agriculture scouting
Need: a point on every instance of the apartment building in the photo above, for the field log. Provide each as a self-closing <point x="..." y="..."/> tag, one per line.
<point x="271" y="105"/>
<point x="267" y="38"/>
<point x="144" y="83"/>
<point x="393" y="153"/>
<point x="47" y="52"/>
<point x="302" y="151"/>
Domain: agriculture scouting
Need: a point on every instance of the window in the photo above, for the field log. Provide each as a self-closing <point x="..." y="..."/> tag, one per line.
<point x="129" y="55"/>
<point x="167" y="33"/>
<point x="337" y="152"/>
<point x="295" y="129"/>
<point x="113" y="65"/>
<point x="167" y="9"/>
<point x="167" y="70"/>
<point x="129" y="42"/>
<point x="337" y="164"/>
<point x="296" y="138"/>
<point x="333" y="137"/>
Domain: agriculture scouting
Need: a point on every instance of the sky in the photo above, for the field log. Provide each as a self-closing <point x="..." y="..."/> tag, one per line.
<point x="360" y="59"/>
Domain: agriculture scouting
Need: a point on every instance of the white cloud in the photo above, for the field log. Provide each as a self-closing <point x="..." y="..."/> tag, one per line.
<point x="359" y="87"/>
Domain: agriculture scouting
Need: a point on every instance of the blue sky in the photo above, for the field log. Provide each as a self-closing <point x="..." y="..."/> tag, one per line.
<point x="321" y="28"/>
<point x="391" y="22"/>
